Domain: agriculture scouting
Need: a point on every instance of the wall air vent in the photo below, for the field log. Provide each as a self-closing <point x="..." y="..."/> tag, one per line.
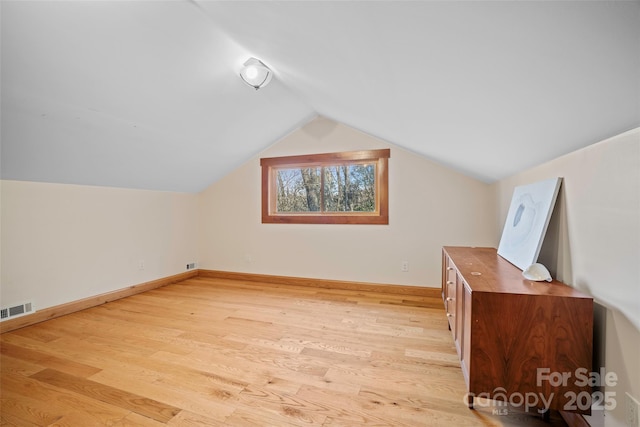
<point x="7" y="313"/>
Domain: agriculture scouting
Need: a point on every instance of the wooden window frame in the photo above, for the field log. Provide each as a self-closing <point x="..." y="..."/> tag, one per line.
<point x="379" y="217"/>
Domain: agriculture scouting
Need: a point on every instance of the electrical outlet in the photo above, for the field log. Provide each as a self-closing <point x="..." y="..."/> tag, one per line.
<point x="191" y="266"/>
<point x="404" y="267"/>
<point x="141" y="264"/>
<point x="632" y="407"/>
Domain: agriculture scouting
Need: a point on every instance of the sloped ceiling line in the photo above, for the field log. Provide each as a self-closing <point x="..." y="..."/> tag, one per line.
<point x="146" y="94"/>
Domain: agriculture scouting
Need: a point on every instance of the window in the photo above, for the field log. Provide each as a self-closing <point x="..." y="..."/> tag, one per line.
<point x="333" y="188"/>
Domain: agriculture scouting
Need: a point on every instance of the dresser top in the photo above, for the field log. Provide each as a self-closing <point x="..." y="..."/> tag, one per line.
<point x="486" y="271"/>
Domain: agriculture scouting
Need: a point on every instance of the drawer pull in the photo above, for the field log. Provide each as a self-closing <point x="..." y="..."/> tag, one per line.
<point x="450" y="315"/>
<point x="449" y="268"/>
<point x="449" y="282"/>
<point x="450" y="299"/>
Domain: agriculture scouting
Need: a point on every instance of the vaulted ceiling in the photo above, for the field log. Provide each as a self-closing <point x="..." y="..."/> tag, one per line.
<point x="146" y="94"/>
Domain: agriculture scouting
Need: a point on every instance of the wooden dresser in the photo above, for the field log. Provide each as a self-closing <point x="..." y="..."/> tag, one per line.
<point x="506" y="328"/>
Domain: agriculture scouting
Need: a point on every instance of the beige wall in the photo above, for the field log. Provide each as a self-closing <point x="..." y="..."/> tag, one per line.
<point x="429" y="206"/>
<point x="62" y="243"/>
<point x="593" y="244"/>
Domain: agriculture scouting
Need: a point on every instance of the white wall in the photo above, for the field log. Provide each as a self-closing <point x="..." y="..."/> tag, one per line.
<point x="593" y="244"/>
<point x="61" y="243"/>
<point x="429" y="206"/>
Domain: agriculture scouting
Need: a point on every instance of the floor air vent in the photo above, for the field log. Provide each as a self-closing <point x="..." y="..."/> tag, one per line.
<point x="7" y="313"/>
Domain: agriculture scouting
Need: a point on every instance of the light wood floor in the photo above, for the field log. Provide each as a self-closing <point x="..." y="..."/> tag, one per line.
<point x="218" y="352"/>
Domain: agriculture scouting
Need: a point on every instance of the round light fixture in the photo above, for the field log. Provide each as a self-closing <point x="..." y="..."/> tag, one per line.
<point x="255" y="73"/>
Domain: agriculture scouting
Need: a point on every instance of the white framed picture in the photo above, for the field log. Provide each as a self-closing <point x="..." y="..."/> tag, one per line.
<point x="527" y="221"/>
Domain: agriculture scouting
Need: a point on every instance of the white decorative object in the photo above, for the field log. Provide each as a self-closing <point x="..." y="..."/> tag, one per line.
<point x="537" y="272"/>
<point x="527" y="221"/>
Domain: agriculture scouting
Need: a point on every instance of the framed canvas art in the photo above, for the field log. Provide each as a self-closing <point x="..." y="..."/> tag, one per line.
<point x="527" y="221"/>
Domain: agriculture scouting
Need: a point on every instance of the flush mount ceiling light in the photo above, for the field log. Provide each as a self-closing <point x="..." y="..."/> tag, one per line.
<point x="255" y="73"/>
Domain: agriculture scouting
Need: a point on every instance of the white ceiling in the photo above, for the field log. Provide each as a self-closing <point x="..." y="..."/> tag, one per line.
<point x="145" y="94"/>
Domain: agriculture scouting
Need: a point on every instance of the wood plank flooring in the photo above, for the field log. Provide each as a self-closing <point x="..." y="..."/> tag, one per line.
<point x="216" y="352"/>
